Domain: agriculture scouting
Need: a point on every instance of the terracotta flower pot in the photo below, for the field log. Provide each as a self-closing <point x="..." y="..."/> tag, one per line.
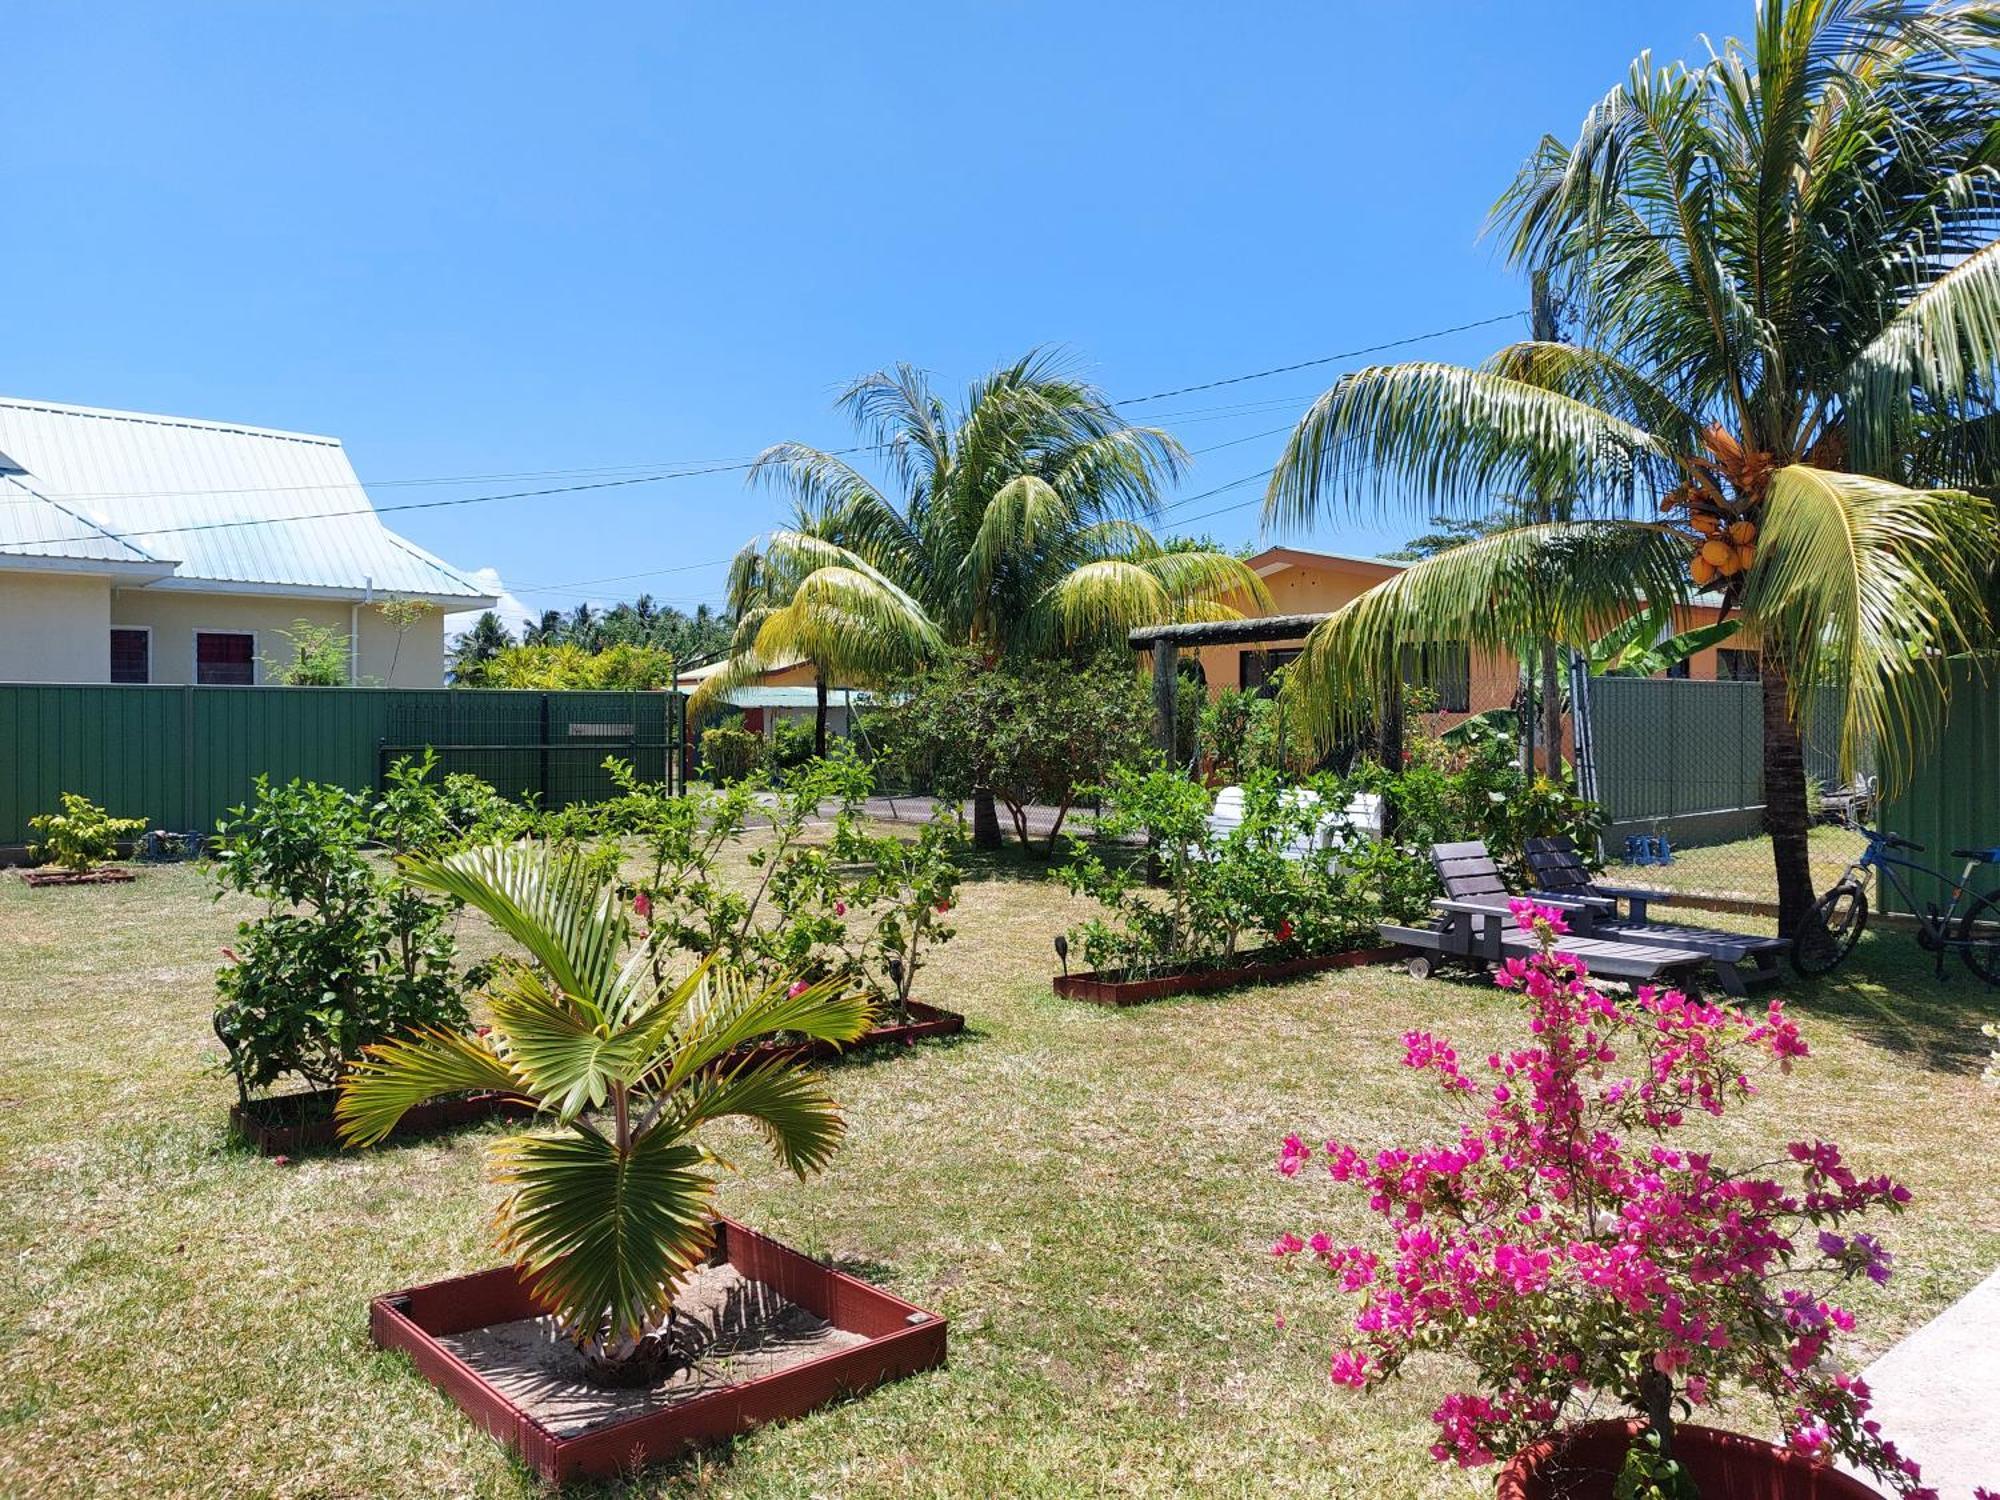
<point x="1583" y="1464"/>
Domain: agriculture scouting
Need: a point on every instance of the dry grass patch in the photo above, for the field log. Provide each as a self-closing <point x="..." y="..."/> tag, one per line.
<point x="1087" y="1194"/>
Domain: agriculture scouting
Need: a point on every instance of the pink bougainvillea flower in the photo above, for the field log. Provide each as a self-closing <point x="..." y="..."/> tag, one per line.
<point x="643" y="905"/>
<point x="799" y="987"/>
<point x="840" y="908"/>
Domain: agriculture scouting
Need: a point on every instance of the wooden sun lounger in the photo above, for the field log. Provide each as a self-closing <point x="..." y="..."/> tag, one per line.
<point x="1741" y="959"/>
<point x="1475" y="925"/>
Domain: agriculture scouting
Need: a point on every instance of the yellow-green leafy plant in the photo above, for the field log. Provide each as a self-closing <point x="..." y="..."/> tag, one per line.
<point x="80" y="837"/>
<point x="608" y="1213"/>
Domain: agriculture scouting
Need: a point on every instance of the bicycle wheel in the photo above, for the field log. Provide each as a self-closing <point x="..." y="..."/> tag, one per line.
<point x="1979" y="935"/>
<point x="1830" y="930"/>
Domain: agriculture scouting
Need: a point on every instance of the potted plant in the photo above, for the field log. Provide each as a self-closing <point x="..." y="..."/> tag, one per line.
<point x="1583" y="1261"/>
<point x="79" y="841"/>
<point x="342" y="954"/>
<point x="631" y="1321"/>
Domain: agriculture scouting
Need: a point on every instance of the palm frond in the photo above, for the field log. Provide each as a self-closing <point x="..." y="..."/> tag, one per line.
<point x="391" y="1078"/>
<point x="604" y="1236"/>
<point x="1943" y="343"/>
<point x="1562" y="582"/>
<point x="546" y="899"/>
<point x="1868" y="588"/>
<point x="1448" y="437"/>
<point x="789" y="1105"/>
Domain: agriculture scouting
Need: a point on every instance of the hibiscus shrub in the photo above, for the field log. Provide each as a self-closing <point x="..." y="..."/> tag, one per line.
<point x="1564" y="1244"/>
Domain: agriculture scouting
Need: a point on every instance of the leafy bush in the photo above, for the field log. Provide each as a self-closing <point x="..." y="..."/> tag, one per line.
<point x="1043" y="732"/>
<point x="1565" y="1244"/>
<point x="318" y="657"/>
<point x="1215" y="887"/>
<point x="80" y="837"/>
<point x="858" y="905"/>
<point x="1243" y="733"/>
<point x="791" y="744"/>
<point x="551" y="668"/>
<point x="344" y="955"/>
<point x="728" y="755"/>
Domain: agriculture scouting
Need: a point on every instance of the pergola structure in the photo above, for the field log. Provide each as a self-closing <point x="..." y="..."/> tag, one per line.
<point x="1167" y="640"/>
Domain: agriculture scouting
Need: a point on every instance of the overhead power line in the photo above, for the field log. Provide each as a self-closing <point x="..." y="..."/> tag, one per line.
<point x="628" y="481"/>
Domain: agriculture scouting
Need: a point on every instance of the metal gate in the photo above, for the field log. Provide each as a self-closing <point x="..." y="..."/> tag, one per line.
<point x="545" y="747"/>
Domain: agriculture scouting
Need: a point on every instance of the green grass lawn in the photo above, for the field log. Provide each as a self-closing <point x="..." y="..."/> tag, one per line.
<point x="1086" y="1194"/>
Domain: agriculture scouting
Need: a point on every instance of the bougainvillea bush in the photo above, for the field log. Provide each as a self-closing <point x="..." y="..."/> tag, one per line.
<point x="1574" y="1253"/>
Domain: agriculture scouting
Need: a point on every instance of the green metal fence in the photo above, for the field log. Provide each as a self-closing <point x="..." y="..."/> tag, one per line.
<point x="178" y="757"/>
<point x="1687" y="757"/>
<point x="1951" y="798"/>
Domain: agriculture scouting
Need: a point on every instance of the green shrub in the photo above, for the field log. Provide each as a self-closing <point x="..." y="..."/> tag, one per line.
<point x="81" y="836"/>
<point x="858" y="904"/>
<point x="344" y="954"/>
<point x="791" y="744"/>
<point x="1215" y="889"/>
<point x="728" y="755"/>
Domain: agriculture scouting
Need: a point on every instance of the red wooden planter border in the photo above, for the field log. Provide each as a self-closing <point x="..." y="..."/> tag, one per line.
<point x="902" y="1339"/>
<point x="1583" y="1465"/>
<point x="108" y="875"/>
<point x="1102" y="988"/>
<point x="277" y="1138"/>
<point x="925" y="1021"/>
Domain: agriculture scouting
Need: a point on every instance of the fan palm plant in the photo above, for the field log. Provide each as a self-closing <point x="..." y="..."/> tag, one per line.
<point x="1784" y="263"/>
<point x="607" y="1216"/>
<point x="1013" y="525"/>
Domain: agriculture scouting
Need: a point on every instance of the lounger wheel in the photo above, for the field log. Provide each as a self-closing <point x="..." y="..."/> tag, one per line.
<point x="1420" y="965"/>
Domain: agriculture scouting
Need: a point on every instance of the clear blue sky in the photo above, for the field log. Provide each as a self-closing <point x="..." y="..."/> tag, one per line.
<point x="477" y="240"/>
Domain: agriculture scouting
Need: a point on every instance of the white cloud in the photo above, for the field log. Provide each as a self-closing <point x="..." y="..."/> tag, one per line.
<point x="512" y="612"/>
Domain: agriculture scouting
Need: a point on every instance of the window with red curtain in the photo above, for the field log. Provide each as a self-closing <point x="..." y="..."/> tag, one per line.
<point x="225" y="658"/>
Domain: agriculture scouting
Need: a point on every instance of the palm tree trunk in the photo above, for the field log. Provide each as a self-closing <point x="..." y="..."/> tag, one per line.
<point x="819" y="714"/>
<point x="1785" y="815"/>
<point x="1552" y="711"/>
<point x="985" y="819"/>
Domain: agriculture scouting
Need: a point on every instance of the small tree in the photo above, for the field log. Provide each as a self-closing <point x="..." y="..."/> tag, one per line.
<point x="1566" y="1246"/>
<point x="1039" y="734"/>
<point x="81" y="836"/>
<point x="318" y="657"/>
<point x="403" y="615"/>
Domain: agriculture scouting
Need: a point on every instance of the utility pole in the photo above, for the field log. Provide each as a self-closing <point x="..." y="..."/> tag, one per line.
<point x="1549" y="507"/>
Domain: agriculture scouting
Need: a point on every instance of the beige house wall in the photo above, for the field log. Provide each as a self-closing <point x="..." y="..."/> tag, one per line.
<point x="175" y="615"/>
<point x="54" y="628"/>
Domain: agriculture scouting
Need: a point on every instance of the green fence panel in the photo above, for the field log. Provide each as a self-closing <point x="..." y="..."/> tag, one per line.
<point x="1951" y="798"/>
<point x="1687" y="756"/>
<point x="180" y="757"/>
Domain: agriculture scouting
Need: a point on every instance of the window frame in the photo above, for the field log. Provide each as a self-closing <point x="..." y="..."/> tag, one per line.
<point x="256" y="677"/>
<point x="1263" y="654"/>
<point x="111" y="663"/>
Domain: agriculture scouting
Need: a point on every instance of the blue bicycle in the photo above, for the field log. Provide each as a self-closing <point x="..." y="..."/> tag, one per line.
<point x="1969" y="926"/>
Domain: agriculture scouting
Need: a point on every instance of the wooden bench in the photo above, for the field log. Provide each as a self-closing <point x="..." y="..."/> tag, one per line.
<point x="1741" y="959"/>
<point x="1476" y="925"/>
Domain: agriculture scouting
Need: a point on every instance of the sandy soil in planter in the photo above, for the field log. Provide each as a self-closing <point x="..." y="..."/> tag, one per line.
<point x="746" y="1330"/>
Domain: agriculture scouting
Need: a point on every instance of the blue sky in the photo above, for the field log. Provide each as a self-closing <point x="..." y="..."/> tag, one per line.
<point x="485" y="241"/>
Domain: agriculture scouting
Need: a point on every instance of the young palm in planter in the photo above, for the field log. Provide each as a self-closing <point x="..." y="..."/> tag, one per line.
<point x="1565" y="1245"/>
<point x="611" y="1215"/>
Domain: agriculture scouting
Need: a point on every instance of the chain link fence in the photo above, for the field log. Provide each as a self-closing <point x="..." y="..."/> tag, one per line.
<point x="1678" y="766"/>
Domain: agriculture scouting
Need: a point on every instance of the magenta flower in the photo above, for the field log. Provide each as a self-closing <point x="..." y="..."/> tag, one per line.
<point x="799" y="987"/>
<point x="643" y="905"/>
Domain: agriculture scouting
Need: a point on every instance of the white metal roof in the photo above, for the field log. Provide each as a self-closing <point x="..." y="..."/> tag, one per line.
<point x="797" y="697"/>
<point x="220" y="505"/>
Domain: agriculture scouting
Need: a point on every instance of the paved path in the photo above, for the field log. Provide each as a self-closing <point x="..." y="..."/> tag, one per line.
<point x="1937" y="1394"/>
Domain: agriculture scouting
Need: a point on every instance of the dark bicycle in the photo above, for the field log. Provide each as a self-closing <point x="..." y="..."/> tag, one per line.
<point x="1969" y="926"/>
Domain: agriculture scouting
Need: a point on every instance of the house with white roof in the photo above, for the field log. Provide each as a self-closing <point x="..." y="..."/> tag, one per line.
<point x="138" y="548"/>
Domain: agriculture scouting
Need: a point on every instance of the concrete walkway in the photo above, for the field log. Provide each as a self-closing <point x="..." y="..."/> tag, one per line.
<point x="1937" y="1394"/>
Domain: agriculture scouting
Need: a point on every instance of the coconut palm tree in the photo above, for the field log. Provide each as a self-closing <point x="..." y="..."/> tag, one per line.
<point x="607" y="1215"/>
<point x="1013" y="525"/>
<point x="1784" y="264"/>
<point x="487" y="637"/>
